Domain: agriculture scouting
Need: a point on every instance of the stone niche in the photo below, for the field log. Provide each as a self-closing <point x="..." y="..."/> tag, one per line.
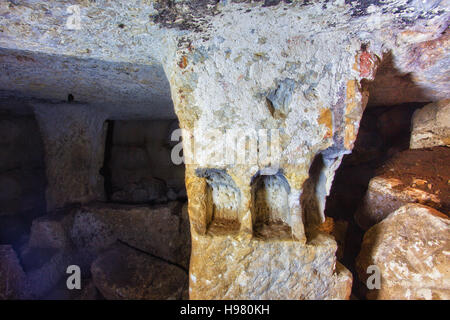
<point x="138" y="166"/>
<point x="222" y="202"/>
<point x="270" y="196"/>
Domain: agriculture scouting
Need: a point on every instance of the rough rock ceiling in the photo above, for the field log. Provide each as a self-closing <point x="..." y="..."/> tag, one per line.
<point x="112" y="62"/>
<point x="121" y="89"/>
<point x="119" y="56"/>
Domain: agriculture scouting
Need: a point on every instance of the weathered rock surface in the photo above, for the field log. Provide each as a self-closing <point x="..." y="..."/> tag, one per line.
<point x="419" y="31"/>
<point x="223" y="267"/>
<point x="88" y="291"/>
<point x="297" y="68"/>
<point x="124" y="273"/>
<point x="146" y="191"/>
<point x="161" y="230"/>
<point x="43" y="278"/>
<point x="338" y="230"/>
<point x="13" y="282"/>
<point x="313" y="98"/>
<point x="50" y="231"/>
<point x="431" y="126"/>
<point x="141" y="165"/>
<point x="74" y="140"/>
<point x="411" y="249"/>
<point x="22" y="174"/>
<point x="412" y="176"/>
<point x="76" y="236"/>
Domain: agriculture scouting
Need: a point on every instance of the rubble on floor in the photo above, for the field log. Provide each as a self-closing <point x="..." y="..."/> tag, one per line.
<point x="121" y="272"/>
<point x="155" y="238"/>
<point x="412" y="176"/>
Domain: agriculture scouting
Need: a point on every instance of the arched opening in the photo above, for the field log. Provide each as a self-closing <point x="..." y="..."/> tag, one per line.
<point x="271" y="213"/>
<point x="137" y="164"/>
<point x="223" y="201"/>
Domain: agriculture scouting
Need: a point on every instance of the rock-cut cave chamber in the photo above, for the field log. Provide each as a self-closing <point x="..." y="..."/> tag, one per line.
<point x="85" y="173"/>
<point x="357" y="94"/>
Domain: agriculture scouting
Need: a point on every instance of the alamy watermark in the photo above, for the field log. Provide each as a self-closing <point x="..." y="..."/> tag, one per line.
<point x="74" y="280"/>
<point x="73" y="22"/>
<point x="213" y="147"/>
<point x="374" y="280"/>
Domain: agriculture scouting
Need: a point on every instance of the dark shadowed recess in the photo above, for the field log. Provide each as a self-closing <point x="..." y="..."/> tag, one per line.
<point x="383" y="132"/>
<point x="22" y="175"/>
<point x="137" y="167"/>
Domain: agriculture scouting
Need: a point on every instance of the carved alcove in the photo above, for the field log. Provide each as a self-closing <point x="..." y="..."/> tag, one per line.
<point x="223" y="201"/>
<point x="270" y="206"/>
<point x="137" y="165"/>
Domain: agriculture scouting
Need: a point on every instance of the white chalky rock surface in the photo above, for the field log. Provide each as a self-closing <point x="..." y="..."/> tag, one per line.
<point x="411" y="248"/>
<point x="431" y="126"/>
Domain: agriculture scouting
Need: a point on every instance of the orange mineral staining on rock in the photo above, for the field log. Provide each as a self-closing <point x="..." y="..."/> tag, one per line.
<point x="366" y="65"/>
<point x="326" y="118"/>
<point x="183" y="62"/>
<point x="351" y="102"/>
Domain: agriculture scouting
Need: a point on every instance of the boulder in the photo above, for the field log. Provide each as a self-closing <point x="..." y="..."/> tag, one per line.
<point x="125" y="273"/>
<point x="343" y="281"/>
<point x="161" y="230"/>
<point x="91" y="234"/>
<point x="77" y="236"/>
<point x="13" y="282"/>
<point x="49" y="251"/>
<point x="431" y="126"/>
<point x="50" y="231"/>
<point x="43" y="279"/>
<point x="88" y="291"/>
<point x="412" y="176"/>
<point x="224" y="267"/>
<point x="411" y="250"/>
<point x="35" y="258"/>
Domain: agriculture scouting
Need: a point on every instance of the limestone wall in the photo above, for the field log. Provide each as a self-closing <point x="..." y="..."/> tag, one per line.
<point x="140" y="162"/>
<point x="22" y="169"/>
<point x="74" y="140"/>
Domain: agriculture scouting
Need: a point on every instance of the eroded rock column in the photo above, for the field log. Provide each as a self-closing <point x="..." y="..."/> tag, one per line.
<point x="74" y="140"/>
<point x="238" y="90"/>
